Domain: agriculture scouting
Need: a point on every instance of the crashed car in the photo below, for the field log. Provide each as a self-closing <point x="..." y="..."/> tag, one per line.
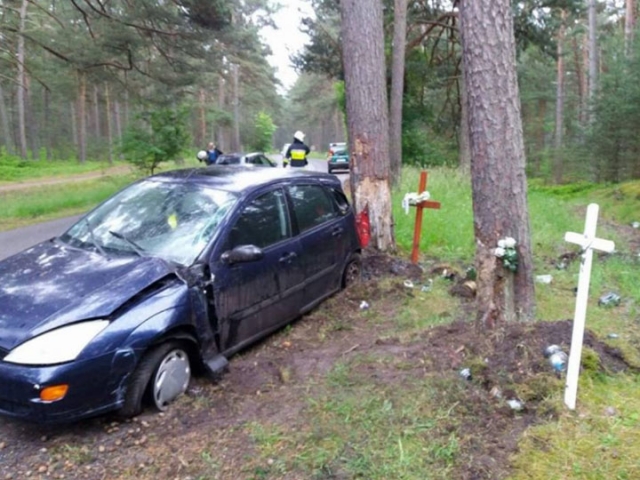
<point x="258" y="159"/>
<point x="178" y="270"/>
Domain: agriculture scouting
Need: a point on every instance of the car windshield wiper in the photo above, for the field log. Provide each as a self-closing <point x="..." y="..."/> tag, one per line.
<point x="93" y="237"/>
<point x="136" y="248"/>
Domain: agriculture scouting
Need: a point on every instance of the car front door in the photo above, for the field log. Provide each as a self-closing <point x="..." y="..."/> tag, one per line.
<point x="323" y="239"/>
<point x="254" y="296"/>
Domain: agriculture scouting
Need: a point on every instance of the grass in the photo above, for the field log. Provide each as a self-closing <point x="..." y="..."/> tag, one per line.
<point x="46" y="202"/>
<point x="21" y="208"/>
<point x="15" y="170"/>
<point x="600" y="442"/>
<point x="393" y="426"/>
<point x="362" y="429"/>
<point x="358" y="427"/>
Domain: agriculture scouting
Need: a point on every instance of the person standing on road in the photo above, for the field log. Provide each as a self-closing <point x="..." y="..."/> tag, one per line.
<point x="297" y="152"/>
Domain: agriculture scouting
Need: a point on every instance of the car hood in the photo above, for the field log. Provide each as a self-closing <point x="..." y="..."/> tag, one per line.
<point x="51" y="285"/>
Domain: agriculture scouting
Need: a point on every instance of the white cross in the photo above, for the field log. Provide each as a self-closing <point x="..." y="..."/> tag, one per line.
<point x="588" y="242"/>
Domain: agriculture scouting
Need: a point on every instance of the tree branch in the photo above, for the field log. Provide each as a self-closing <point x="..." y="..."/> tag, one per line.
<point x="85" y="17"/>
<point x="46" y="12"/>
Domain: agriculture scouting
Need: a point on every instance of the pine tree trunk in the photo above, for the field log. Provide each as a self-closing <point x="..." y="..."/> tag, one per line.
<point x="107" y="100"/>
<point x="46" y="123"/>
<point x="338" y="125"/>
<point x="593" y="53"/>
<point x="236" y="109"/>
<point x="464" y="153"/>
<point x="125" y="124"/>
<point x="96" y="113"/>
<point x="82" y="119"/>
<point x="397" y="88"/>
<point x="498" y="162"/>
<point x="629" y="26"/>
<point x="221" y="139"/>
<point x="201" y="138"/>
<point x="367" y="116"/>
<point x="580" y="76"/>
<point x="557" y="154"/>
<point x="540" y="134"/>
<point x="74" y="123"/>
<point x="117" y="119"/>
<point x="22" y="83"/>
<point x="6" y="128"/>
<point x="31" y="120"/>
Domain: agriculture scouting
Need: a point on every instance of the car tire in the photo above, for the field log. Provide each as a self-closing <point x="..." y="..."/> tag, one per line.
<point x="329" y="170"/>
<point x="352" y="271"/>
<point x="162" y="375"/>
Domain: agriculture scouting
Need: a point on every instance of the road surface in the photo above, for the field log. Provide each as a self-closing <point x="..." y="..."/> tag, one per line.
<point x="14" y="241"/>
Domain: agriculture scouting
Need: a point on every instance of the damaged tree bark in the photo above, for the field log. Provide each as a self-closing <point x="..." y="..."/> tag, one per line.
<point x="498" y="162"/>
<point x="367" y="116"/>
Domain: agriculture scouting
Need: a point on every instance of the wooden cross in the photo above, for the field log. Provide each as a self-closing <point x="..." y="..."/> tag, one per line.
<point x="419" y="207"/>
<point x="588" y="242"/>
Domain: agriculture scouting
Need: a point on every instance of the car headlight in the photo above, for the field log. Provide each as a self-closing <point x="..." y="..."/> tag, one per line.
<point x="57" y="346"/>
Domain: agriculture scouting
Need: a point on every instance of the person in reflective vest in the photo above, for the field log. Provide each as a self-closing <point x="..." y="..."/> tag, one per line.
<point x="297" y="152"/>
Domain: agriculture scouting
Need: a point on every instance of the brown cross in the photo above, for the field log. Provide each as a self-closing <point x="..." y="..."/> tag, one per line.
<point x="419" y="207"/>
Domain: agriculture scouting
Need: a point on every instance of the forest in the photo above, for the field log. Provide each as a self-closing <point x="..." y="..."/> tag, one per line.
<point x="81" y="78"/>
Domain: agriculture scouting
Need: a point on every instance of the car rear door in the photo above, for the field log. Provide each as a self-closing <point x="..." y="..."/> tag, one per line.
<point x="255" y="297"/>
<point x="323" y="237"/>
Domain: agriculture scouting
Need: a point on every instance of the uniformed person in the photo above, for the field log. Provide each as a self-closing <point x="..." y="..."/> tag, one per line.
<point x="297" y="152"/>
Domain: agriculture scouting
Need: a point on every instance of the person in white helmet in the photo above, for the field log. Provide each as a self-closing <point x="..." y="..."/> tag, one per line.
<point x="297" y="152"/>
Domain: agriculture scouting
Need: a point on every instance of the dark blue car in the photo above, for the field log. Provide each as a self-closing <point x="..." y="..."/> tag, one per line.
<point x="177" y="270"/>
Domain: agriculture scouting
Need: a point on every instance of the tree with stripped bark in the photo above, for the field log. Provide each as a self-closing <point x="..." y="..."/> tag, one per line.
<point x="497" y="163"/>
<point x="367" y="116"/>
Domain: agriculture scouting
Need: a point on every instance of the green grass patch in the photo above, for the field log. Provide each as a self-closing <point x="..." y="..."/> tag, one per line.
<point x="13" y="169"/>
<point x="600" y="441"/>
<point x="447" y="233"/>
<point x="38" y="204"/>
<point x="362" y="429"/>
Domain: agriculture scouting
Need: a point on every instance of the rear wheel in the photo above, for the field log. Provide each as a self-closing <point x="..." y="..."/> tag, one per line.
<point x="329" y="169"/>
<point x="162" y="376"/>
<point x="353" y="271"/>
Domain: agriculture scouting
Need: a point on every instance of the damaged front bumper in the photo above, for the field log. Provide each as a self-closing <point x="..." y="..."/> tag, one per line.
<point x="95" y="386"/>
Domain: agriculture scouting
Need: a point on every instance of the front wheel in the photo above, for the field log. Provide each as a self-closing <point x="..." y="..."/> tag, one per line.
<point x="162" y="375"/>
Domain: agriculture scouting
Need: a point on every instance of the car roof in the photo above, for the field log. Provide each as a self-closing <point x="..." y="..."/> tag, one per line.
<point x="241" y="178"/>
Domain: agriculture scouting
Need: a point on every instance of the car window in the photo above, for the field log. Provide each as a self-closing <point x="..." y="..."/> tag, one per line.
<point x="312" y="205"/>
<point x="263" y="222"/>
<point x="262" y="160"/>
<point x="341" y="200"/>
<point x="173" y="221"/>
<point x="228" y="160"/>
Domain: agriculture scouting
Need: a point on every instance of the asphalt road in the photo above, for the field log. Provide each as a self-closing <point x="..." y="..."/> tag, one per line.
<point x="14" y="241"/>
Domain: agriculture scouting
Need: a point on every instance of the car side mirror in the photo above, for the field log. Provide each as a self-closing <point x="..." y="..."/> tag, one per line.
<point x="242" y="254"/>
<point x="343" y="209"/>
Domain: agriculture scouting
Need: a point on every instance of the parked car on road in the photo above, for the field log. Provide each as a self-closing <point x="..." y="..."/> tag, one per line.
<point x="180" y="269"/>
<point x="338" y="158"/>
<point x="255" y="158"/>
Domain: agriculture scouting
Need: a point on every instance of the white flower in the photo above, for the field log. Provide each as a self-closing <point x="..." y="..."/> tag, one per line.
<point x="502" y="243"/>
<point x="499" y="252"/>
<point x="509" y="242"/>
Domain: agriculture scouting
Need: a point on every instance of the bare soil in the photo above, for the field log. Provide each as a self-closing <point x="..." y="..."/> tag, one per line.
<point x="269" y="382"/>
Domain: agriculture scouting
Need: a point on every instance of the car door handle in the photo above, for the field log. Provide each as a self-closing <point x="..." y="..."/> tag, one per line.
<point x="337" y="231"/>
<point x="288" y="257"/>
